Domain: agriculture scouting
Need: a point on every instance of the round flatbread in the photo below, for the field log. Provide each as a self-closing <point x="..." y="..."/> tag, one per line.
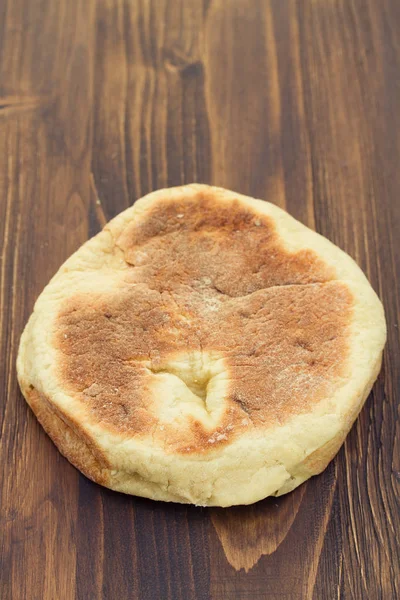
<point x="205" y="347"/>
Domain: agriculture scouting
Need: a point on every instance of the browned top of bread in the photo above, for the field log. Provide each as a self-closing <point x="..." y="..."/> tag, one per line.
<point x="214" y="304"/>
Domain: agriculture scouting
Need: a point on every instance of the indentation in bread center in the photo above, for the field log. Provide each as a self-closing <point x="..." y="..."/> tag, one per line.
<point x="190" y="384"/>
<point x="196" y="383"/>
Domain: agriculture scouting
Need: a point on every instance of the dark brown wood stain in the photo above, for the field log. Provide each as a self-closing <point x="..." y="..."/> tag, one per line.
<point x="102" y="101"/>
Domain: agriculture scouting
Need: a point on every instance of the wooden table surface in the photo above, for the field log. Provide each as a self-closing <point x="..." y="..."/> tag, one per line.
<point x="297" y="102"/>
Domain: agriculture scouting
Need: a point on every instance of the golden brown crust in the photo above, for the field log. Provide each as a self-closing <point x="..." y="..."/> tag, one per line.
<point x="211" y="280"/>
<point x="318" y="460"/>
<point x="70" y="439"/>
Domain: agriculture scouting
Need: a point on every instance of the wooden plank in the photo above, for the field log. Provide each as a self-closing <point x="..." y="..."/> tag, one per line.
<point x="45" y="125"/>
<point x="102" y="101"/>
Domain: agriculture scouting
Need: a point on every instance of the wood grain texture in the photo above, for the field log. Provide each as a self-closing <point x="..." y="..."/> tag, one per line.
<point x="102" y="101"/>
